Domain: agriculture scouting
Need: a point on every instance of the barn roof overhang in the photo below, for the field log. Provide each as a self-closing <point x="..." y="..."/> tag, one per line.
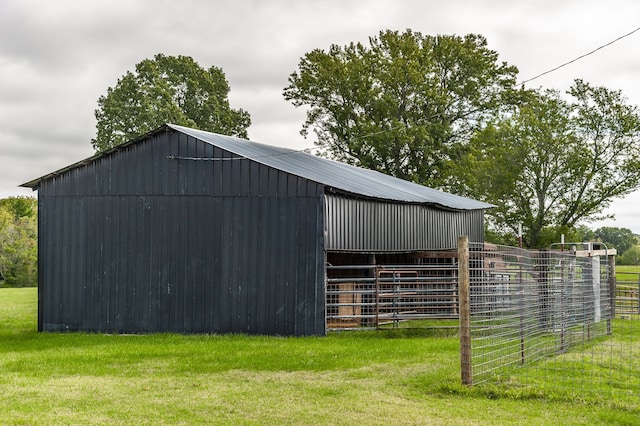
<point x="337" y="177"/>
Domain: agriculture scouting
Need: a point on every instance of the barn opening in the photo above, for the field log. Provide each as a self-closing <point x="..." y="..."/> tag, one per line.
<point x="391" y="290"/>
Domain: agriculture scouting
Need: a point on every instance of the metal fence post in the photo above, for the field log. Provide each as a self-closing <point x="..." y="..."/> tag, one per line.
<point x="377" y="295"/>
<point x="465" y="310"/>
<point x="521" y="291"/>
<point x="611" y="269"/>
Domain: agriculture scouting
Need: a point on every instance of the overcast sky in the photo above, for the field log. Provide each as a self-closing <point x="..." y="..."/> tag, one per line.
<point x="58" y="57"/>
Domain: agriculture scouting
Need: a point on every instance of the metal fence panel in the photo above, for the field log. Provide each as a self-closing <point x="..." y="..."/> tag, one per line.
<point x="378" y="296"/>
<point x="551" y="318"/>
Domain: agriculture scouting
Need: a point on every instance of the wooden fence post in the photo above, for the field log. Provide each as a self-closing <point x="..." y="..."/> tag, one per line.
<point x="465" y="310"/>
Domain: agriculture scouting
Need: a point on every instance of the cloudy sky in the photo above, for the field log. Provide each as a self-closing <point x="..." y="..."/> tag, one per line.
<point x="58" y="57"/>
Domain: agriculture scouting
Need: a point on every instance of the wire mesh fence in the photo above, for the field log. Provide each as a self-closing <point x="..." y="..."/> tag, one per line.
<point x="552" y="319"/>
<point x="549" y="321"/>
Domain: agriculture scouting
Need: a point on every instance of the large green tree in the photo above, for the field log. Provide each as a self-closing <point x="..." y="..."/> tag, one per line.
<point x="622" y="239"/>
<point x="403" y="103"/>
<point x="555" y="162"/>
<point x="172" y="89"/>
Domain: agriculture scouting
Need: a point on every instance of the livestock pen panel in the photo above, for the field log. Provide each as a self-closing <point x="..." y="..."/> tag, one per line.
<point x="375" y="296"/>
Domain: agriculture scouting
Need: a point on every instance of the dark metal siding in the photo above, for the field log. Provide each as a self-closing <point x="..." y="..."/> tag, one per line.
<point x="137" y="242"/>
<point x="373" y="226"/>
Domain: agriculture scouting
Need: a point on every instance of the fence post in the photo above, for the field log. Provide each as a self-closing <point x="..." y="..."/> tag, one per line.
<point x="544" y="290"/>
<point x="611" y="268"/>
<point x="465" y="310"/>
<point x="521" y="302"/>
<point x="377" y="295"/>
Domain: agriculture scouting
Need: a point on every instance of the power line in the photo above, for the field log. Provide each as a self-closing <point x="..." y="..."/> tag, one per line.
<point x="580" y="57"/>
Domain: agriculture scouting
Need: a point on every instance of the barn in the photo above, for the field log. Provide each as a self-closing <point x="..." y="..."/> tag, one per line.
<point x="188" y="231"/>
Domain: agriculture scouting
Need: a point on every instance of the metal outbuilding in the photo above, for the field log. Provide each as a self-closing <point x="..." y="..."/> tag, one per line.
<point x="188" y="231"/>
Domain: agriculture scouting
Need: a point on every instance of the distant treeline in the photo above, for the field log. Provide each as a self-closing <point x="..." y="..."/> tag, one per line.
<point x="18" y="242"/>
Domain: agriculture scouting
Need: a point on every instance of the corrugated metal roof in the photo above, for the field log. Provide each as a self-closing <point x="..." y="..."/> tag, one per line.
<point x="333" y="174"/>
<point x="341" y="176"/>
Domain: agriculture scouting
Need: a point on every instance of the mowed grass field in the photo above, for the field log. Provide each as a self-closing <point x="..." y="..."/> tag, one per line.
<point x="627" y="273"/>
<point x="377" y="378"/>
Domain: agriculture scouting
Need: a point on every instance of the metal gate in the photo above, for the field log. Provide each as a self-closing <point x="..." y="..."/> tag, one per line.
<point x="627" y="294"/>
<point x="378" y="296"/>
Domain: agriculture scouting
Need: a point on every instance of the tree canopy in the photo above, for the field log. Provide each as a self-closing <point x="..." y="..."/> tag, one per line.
<point x="631" y="256"/>
<point x="555" y="162"/>
<point x="167" y="89"/>
<point x="622" y="239"/>
<point x="403" y="104"/>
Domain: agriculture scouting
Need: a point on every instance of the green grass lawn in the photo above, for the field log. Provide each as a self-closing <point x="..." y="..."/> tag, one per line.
<point x="342" y="379"/>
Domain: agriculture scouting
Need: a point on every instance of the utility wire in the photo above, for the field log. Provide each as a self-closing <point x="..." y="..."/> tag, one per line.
<point x="580" y="57"/>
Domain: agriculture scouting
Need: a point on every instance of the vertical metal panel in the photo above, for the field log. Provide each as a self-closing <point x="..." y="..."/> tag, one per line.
<point x="137" y="242"/>
<point x="376" y="226"/>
